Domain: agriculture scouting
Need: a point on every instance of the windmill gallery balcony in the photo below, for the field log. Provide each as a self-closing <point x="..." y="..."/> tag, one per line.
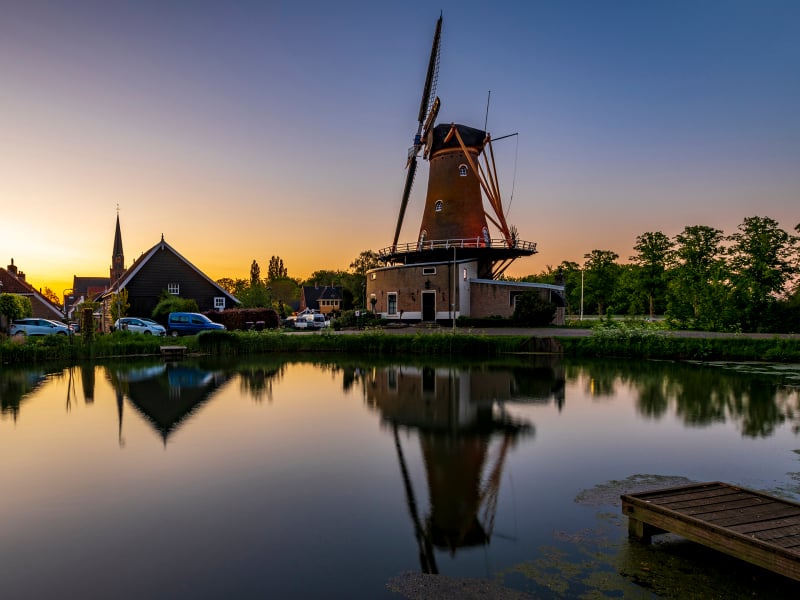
<point x="436" y="250"/>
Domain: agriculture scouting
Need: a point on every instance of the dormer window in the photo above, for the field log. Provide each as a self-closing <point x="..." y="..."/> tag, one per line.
<point x="462" y="170"/>
<point x="438" y="206"/>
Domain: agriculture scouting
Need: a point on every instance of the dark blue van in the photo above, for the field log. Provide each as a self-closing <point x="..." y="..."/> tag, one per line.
<point x="186" y="323"/>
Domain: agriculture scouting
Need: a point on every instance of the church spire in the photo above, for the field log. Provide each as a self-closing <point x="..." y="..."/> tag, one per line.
<point x="117" y="256"/>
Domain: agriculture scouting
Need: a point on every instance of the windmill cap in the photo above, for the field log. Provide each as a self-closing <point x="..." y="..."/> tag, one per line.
<point x="473" y="138"/>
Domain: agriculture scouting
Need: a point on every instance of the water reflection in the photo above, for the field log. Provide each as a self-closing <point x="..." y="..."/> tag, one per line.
<point x="406" y="466"/>
<point x="165" y="394"/>
<point x="757" y="397"/>
<point x="15" y="385"/>
<point x="465" y="435"/>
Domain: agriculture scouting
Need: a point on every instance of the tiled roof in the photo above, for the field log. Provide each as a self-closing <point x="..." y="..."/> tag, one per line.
<point x="42" y="307"/>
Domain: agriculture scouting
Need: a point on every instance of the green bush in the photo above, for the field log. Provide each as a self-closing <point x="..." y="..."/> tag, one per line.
<point x="532" y="310"/>
<point x="173" y="304"/>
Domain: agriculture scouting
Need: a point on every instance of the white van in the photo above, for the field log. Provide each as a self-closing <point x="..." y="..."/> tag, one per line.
<point x="311" y="321"/>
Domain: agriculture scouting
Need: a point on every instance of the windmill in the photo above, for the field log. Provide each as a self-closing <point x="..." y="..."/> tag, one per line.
<point x="462" y="171"/>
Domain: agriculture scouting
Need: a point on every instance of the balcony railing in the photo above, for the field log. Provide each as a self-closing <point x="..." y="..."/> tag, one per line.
<point x="476" y="242"/>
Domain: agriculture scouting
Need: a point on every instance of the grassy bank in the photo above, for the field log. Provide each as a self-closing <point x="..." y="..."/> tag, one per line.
<point x="239" y="343"/>
<point x="626" y="341"/>
<point x="616" y="341"/>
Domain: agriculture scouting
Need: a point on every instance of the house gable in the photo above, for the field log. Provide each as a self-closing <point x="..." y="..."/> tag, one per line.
<point x="161" y="269"/>
<point x="13" y="281"/>
<point x="324" y="299"/>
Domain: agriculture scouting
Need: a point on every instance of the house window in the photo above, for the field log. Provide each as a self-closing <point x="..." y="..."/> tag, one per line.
<point x="439" y="205"/>
<point x="219" y="302"/>
<point x="462" y="170"/>
<point x="174" y="288"/>
<point x="391" y="299"/>
<point x="429" y="270"/>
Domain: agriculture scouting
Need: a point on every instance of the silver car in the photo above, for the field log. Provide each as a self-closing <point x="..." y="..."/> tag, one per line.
<point x="32" y="326"/>
<point x="136" y="325"/>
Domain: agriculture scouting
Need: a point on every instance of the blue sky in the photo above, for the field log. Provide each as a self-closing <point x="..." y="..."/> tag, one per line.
<point x="250" y="129"/>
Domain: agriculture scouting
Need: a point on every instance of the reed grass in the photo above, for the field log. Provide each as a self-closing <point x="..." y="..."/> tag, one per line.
<point x="619" y="340"/>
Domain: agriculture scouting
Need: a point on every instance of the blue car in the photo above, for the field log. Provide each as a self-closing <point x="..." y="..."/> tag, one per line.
<point x="186" y="323"/>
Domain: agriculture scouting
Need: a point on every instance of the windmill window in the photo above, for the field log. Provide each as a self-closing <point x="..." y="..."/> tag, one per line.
<point x="392" y="303"/>
<point x="429" y="270"/>
<point x="174" y="288"/>
<point x="439" y="205"/>
<point x="462" y="170"/>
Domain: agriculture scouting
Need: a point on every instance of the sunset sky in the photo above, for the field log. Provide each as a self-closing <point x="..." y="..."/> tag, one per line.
<point x="242" y="130"/>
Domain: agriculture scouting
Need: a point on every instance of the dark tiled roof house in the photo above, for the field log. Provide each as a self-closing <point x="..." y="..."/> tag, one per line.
<point x="162" y="268"/>
<point x="325" y="299"/>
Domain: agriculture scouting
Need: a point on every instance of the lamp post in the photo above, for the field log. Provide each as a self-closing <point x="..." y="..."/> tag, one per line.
<point x="64" y="296"/>
<point x="583" y="269"/>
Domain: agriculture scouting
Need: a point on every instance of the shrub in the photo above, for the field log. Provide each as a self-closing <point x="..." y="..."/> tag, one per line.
<point x="173" y="304"/>
<point x="238" y="318"/>
<point x="533" y="311"/>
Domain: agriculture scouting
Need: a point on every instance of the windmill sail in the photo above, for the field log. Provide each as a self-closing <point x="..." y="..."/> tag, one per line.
<point x="424" y="122"/>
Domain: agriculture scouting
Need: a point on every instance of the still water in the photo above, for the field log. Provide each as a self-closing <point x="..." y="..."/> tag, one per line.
<point x="269" y="478"/>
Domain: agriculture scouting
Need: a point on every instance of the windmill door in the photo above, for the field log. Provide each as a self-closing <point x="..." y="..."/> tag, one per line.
<point x="428" y="306"/>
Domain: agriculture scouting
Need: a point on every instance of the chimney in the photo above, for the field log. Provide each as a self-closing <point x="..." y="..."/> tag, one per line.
<point x="12" y="268"/>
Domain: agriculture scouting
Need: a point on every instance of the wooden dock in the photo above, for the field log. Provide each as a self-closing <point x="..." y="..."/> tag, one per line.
<point x="749" y="525"/>
<point x="173" y="352"/>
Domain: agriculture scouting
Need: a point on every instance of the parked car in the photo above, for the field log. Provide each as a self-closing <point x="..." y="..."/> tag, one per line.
<point x="32" y="326"/>
<point x="311" y="321"/>
<point x="185" y="323"/>
<point x="137" y="325"/>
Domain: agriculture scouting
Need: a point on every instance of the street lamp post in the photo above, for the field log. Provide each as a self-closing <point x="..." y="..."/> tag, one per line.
<point x="64" y="296"/>
<point x="583" y="269"/>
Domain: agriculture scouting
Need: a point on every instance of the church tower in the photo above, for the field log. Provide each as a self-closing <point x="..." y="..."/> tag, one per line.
<point x="117" y="256"/>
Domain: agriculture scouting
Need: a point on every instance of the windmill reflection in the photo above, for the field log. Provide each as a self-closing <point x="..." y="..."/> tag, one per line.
<point x="465" y="434"/>
<point x="165" y="394"/>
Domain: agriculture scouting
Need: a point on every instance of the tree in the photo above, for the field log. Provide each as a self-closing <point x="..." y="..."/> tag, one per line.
<point x="13" y="307"/>
<point x="255" y="273"/>
<point x="654" y="255"/>
<point x="119" y="305"/>
<point x="228" y="284"/>
<point x="601" y="272"/>
<point x="52" y="296"/>
<point x="276" y="270"/>
<point x="364" y="262"/>
<point x="762" y="261"/>
<point x="629" y="295"/>
<point x="285" y="291"/>
<point x="255" y="296"/>
<point x="697" y="291"/>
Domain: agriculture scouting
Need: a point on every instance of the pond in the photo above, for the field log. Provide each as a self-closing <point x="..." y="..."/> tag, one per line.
<point x="353" y="477"/>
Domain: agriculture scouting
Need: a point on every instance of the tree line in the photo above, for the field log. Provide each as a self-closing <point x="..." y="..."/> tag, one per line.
<point x="280" y="291"/>
<point x="698" y="279"/>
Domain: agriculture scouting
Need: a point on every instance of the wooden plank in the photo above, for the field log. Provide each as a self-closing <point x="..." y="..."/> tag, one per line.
<point x="752" y="528"/>
<point x="748" y="510"/>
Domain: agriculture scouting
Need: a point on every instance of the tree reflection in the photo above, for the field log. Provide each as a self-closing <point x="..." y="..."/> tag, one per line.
<point x="701" y="395"/>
